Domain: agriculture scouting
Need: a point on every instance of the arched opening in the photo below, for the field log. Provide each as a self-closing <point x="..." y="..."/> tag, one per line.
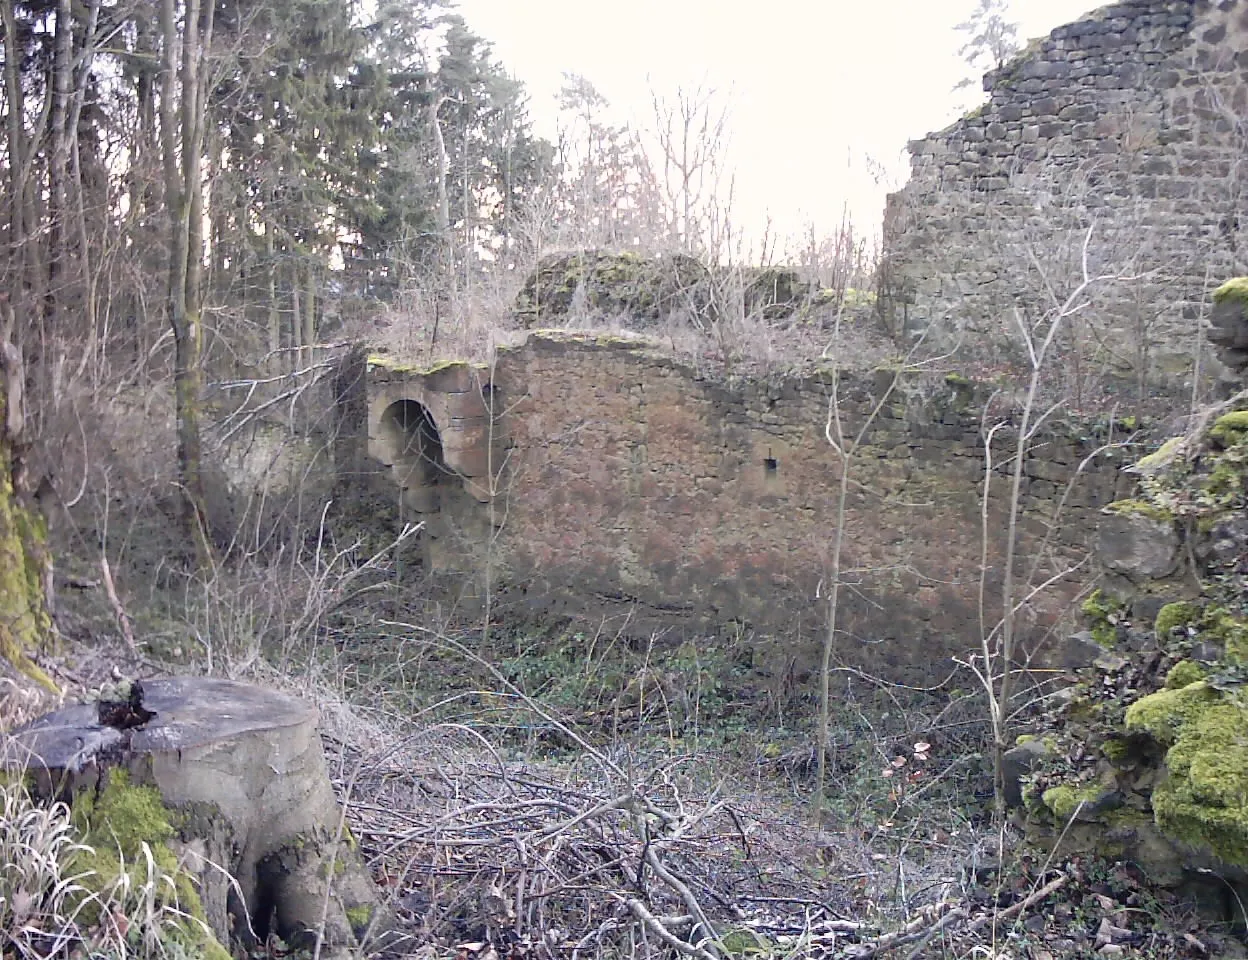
<point x="414" y="446"/>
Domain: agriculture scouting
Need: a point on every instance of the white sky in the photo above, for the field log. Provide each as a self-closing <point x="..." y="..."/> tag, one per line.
<point x="817" y="86"/>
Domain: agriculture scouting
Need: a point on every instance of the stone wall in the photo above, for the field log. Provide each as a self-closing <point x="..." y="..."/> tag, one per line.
<point x="624" y="485"/>
<point x="1131" y="123"/>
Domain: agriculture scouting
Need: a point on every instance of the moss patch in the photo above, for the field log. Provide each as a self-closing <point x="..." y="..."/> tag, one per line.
<point x="1161" y="457"/>
<point x="1142" y="508"/>
<point x="1184" y="674"/>
<point x="359" y="918"/>
<point x="1203" y="802"/>
<point x="1065" y="800"/>
<point x="1203" y="799"/>
<point x="1235" y="289"/>
<point x="744" y="942"/>
<point x="1174" y="615"/>
<point x="120" y="823"/>
<point x="24" y="623"/>
<point x="1103" y="614"/>
<point x="1163" y="714"/>
<point x="1230" y="428"/>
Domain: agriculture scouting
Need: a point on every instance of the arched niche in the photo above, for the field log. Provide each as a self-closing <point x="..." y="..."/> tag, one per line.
<point x="413" y="448"/>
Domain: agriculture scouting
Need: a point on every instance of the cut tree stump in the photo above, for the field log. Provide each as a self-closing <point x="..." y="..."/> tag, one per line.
<point x="242" y="770"/>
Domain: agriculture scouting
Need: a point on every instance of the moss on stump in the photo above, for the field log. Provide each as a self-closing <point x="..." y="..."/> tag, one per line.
<point x="233" y="778"/>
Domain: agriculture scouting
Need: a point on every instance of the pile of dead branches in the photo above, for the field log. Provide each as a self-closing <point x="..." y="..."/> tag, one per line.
<point x="609" y="856"/>
<point x="521" y="857"/>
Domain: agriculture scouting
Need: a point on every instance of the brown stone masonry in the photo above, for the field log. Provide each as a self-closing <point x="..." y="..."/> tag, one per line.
<point x="613" y="479"/>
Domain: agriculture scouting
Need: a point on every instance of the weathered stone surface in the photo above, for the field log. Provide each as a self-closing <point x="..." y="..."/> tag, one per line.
<point x="1079" y="650"/>
<point x="1135" y="118"/>
<point x="632" y="485"/>
<point x="1016" y="764"/>
<point x="1139" y="546"/>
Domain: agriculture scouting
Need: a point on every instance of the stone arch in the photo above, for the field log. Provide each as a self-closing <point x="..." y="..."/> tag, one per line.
<point x="412" y="446"/>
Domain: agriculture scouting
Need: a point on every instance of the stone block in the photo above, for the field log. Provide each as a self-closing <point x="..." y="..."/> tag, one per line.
<point x="1138" y="545"/>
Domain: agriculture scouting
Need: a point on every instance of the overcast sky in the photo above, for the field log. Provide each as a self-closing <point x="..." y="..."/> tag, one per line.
<point x="816" y="87"/>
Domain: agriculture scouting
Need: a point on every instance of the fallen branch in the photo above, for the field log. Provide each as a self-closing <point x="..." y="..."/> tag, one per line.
<point x="653" y="924"/>
<point x="123" y="618"/>
<point x="921" y="930"/>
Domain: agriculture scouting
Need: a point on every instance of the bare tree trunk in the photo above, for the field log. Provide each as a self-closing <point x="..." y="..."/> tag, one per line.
<point x="58" y="170"/>
<point x="25" y="261"/>
<point x="309" y="317"/>
<point x="444" y="164"/>
<point x="275" y="313"/>
<point x="182" y="107"/>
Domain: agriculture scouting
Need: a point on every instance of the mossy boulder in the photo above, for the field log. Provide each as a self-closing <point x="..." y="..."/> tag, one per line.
<point x="1229" y="323"/>
<point x="1172" y="616"/>
<point x="628" y="287"/>
<point x="1230" y="429"/>
<point x="1203" y="800"/>
<point x="639" y="291"/>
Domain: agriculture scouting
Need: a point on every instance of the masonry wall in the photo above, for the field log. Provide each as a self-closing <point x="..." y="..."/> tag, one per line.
<point x="1132" y="122"/>
<point x="631" y="489"/>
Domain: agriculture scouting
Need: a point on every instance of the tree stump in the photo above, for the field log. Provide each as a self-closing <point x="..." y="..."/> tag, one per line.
<point x="243" y="774"/>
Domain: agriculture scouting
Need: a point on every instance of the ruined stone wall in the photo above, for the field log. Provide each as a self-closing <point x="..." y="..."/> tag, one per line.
<point x="1132" y="122"/>
<point x="628" y="487"/>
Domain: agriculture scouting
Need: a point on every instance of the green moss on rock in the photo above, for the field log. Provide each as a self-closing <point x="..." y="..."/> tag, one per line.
<point x="1174" y="615"/>
<point x="1161" y="457"/>
<point x="1161" y="715"/>
<point x="1185" y="673"/>
<point x="1228" y="630"/>
<point x="1234" y="289"/>
<point x="359" y="918"/>
<point x="1103" y="614"/>
<point x="1065" y="800"/>
<point x="1144" y="508"/>
<point x="1230" y="428"/>
<point x="1203" y="801"/>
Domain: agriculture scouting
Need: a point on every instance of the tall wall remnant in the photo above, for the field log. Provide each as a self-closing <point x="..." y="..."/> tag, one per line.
<point x="622" y="483"/>
<point x="1133" y="123"/>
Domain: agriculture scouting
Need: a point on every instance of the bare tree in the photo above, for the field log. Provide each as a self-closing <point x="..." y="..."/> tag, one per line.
<point x="183" y="96"/>
<point x="1000" y="643"/>
<point x="845" y="442"/>
<point x="691" y="130"/>
<point x="992" y="38"/>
